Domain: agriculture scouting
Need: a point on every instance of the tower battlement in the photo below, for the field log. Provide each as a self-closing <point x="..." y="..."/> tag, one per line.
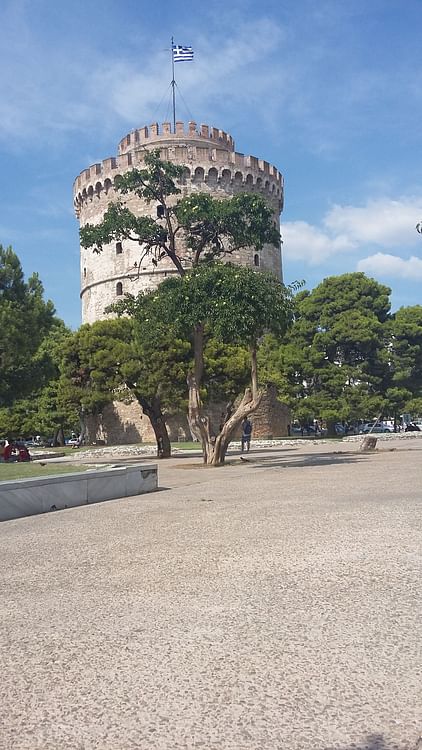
<point x="157" y="134"/>
<point x="208" y="155"/>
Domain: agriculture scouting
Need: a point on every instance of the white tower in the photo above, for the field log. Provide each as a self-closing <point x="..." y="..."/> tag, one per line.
<point x="212" y="166"/>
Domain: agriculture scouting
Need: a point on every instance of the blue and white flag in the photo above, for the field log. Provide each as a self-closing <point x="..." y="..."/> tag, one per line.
<point x="180" y="54"/>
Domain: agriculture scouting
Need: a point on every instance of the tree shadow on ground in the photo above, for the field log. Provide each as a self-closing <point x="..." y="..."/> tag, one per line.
<point x="315" y="459"/>
<point x="289" y="460"/>
<point x="378" y="742"/>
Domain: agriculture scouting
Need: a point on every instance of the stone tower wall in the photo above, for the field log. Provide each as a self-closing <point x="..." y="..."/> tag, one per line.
<point x="124" y="424"/>
<point x="212" y="165"/>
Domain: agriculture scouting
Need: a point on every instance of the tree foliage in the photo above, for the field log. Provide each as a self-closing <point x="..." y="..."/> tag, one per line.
<point x="336" y="356"/>
<point x="406" y="349"/>
<point x="146" y="359"/>
<point x="232" y="304"/>
<point x="25" y="320"/>
<point x="30" y="350"/>
<point x="235" y="303"/>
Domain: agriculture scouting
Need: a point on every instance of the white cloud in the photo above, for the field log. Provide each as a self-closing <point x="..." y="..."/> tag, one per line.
<point x="383" y="222"/>
<point x="392" y="266"/>
<point x="303" y="241"/>
<point x="207" y="82"/>
<point x="387" y="223"/>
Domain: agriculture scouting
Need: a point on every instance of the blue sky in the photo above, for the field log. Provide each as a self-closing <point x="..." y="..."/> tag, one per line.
<point x="329" y="91"/>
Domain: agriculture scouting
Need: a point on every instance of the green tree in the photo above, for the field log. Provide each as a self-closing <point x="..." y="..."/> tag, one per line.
<point x="30" y="346"/>
<point x="406" y="331"/>
<point x="51" y="416"/>
<point x="41" y="412"/>
<point x="234" y="305"/>
<point x="108" y="361"/>
<point x="25" y="319"/>
<point x="336" y="357"/>
<point x="124" y="359"/>
<point x="90" y="376"/>
<point x="162" y="357"/>
<point x="406" y="360"/>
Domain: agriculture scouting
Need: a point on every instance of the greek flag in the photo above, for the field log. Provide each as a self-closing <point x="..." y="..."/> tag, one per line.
<point x="180" y="54"/>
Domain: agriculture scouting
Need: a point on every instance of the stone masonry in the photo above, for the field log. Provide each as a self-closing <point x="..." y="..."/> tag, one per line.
<point x="126" y="424"/>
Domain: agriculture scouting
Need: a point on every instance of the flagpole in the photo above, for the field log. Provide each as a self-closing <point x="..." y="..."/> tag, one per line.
<point x="173" y="86"/>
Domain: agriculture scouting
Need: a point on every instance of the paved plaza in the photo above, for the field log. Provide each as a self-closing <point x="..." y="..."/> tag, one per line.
<point x="272" y="604"/>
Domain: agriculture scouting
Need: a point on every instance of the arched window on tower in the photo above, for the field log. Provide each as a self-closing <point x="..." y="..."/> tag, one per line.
<point x="256" y="260"/>
<point x="119" y="289"/>
<point x="119" y="248"/>
<point x="238" y="179"/>
<point x="199" y="175"/>
<point x="212" y="176"/>
<point x="185" y="176"/>
<point x="226" y="176"/>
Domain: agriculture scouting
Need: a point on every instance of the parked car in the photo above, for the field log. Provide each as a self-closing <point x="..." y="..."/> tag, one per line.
<point x="413" y="427"/>
<point x="72" y="441"/>
<point x="375" y="427"/>
<point x="37" y="441"/>
<point x="296" y="429"/>
<point x="347" y="429"/>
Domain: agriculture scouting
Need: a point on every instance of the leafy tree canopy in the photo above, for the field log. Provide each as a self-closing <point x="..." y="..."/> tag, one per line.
<point x="341" y="294"/>
<point x="335" y="357"/>
<point x="234" y="303"/>
<point x="406" y="349"/>
<point x="26" y="319"/>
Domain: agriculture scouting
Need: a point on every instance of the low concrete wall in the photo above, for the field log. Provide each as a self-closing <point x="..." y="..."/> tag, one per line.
<point x="27" y="497"/>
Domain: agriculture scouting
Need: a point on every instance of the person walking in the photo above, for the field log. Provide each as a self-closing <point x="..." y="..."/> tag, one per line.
<point x="246" y="434"/>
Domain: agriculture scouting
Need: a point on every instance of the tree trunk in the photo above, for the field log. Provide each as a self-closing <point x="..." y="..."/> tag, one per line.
<point x="152" y="409"/>
<point x="83" y="428"/>
<point x="247" y="406"/>
<point x="214" y="449"/>
<point x="58" y="437"/>
<point x="331" y="429"/>
<point x="199" y="422"/>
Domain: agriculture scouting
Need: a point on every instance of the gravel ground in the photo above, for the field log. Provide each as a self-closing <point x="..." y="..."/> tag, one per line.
<point x="273" y="604"/>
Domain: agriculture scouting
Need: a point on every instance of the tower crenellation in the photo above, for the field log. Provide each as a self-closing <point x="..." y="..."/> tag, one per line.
<point x="158" y="134"/>
<point x="211" y="165"/>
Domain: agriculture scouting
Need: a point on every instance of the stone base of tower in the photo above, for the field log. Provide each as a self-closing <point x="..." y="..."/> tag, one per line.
<point x="272" y="417"/>
<point x="126" y="424"/>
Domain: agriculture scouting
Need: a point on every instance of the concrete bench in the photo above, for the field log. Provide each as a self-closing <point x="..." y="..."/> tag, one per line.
<point x="27" y="497"/>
